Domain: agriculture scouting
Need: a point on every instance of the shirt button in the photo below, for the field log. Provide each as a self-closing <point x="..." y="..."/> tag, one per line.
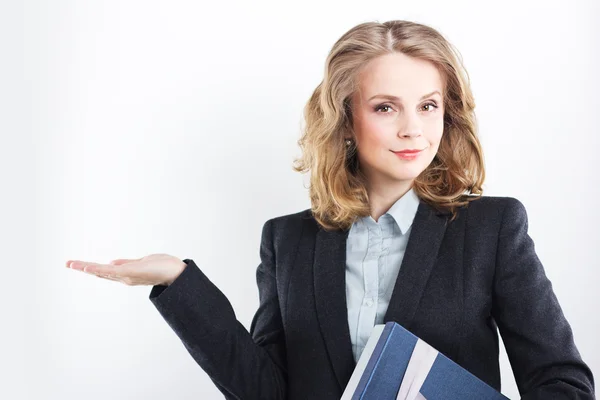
<point x="369" y="303"/>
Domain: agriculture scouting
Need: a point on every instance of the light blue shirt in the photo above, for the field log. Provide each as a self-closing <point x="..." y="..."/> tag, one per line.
<point x="374" y="253"/>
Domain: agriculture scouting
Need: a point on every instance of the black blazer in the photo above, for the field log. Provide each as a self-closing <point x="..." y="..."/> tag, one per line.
<point x="458" y="283"/>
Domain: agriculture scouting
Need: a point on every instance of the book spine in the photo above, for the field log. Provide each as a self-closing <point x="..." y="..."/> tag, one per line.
<point x="373" y="360"/>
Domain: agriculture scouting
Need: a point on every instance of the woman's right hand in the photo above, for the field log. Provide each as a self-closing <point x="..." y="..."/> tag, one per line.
<point x="155" y="269"/>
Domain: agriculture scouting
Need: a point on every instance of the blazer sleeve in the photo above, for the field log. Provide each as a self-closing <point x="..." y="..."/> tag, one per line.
<point x="537" y="337"/>
<point x="243" y="365"/>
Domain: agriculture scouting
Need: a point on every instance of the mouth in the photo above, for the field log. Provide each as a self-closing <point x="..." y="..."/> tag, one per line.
<point x="409" y="154"/>
<point x="408" y="151"/>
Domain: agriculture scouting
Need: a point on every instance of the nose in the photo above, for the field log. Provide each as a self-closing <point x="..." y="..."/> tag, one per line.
<point x="410" y="126"/>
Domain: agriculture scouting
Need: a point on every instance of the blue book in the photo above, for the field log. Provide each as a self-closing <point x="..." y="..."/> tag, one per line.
<point x="397" y="365"/>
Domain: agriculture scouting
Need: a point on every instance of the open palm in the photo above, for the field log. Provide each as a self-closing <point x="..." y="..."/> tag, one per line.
<point x="155" y="269"/>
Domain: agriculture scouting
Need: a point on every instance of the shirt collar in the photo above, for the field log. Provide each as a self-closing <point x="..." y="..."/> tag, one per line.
<point x="404" y="210"/>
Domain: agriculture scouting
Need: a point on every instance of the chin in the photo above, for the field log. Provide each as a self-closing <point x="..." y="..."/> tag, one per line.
<point x="405" y="178"/>
<point x="395" y="172"/>
<point x="408" y="171"/>
<point x="403" y="175"/>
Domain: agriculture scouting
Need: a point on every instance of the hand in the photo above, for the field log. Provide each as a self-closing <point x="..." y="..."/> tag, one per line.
<point x="155" y="269"/>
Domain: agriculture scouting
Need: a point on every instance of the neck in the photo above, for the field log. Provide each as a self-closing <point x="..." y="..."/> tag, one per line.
<point x="382" y="197"/>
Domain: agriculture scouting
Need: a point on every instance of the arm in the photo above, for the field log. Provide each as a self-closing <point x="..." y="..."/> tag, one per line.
<point x="243" y="365"/>
<point x="538" y="339"/>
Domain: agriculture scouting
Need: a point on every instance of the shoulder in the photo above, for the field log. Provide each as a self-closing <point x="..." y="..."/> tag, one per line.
<point x="478" y="207"/>
<point x="495" y="207"/>
<point x="292" y="220"/>
<point x="494" y="216"/>
<point x="480" y="211"/>
<point x="287" y="228"/>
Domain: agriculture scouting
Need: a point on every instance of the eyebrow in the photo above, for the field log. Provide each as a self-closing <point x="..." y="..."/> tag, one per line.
<point x="394" y="98"/>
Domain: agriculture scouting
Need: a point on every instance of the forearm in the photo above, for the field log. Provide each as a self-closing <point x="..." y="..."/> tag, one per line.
<point x="204" y="320"/>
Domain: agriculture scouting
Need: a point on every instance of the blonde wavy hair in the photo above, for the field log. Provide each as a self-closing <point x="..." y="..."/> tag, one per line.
<point x="337" y="187"/>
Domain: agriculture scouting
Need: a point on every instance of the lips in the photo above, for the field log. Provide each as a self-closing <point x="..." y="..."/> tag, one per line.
<point x="410" y="151"/>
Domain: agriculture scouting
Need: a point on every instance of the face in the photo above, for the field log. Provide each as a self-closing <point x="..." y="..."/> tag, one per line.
<point x="413" y="118"/>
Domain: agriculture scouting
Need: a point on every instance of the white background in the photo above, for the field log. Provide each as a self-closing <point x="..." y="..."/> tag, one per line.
<point x="137" y="127"/>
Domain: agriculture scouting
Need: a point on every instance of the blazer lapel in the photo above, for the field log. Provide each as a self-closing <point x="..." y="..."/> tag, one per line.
<point x="330" y="297"/>
<point x="330" y="284"/>
<point x="424" y="242"/>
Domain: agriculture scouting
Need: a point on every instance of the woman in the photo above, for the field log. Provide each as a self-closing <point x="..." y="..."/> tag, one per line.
<point x="397" y="231"/>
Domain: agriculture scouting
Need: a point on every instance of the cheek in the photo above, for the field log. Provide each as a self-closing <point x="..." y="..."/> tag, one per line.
<point x="435" y="130"/>
<point x="374" y="133"/>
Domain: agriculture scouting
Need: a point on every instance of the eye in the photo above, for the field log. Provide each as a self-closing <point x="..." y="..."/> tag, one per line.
<point x="379" y="107"/>
<point x="432" y="105"/>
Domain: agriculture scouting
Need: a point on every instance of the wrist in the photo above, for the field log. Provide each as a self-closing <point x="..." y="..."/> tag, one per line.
<point x="178" y="268"/>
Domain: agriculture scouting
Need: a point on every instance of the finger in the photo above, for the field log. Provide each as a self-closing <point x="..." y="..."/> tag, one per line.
<point x="104" y="270"/>
<point x="120" y="261"/>
<point x="94" y="270"/>
<point x="76" y="264"/>
<point x="108" y="278"/>
<point x="80" y="265"/>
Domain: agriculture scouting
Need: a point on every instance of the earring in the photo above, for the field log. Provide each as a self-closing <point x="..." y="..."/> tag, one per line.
<point x="348" y="142"/>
